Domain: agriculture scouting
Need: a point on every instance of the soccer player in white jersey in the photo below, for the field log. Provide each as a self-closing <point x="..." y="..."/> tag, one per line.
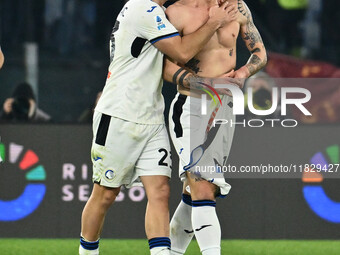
<point x="196" y="214"/>
<point x="130" y="143"/>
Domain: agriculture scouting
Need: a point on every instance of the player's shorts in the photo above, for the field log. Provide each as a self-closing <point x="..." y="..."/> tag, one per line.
<point x="198" y="149"/>
<point x="123" y="151"/>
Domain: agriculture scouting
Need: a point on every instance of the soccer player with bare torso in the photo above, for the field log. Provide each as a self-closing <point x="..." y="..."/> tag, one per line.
<point x="196" y="212"/>
<point x="130" y="143"/>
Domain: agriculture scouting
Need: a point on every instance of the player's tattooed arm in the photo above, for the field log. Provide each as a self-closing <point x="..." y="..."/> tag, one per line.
<point x="193" y="65"/>
<point x="179" y="75"/>
<point x="188" y="81"/>
<point x="253" y="41"/>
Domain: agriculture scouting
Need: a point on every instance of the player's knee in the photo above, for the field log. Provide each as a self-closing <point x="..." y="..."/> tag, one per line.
<point x="161" y="193"/>
<point x="108" y="196"/>
<point x="203" y="191"/>
<point x="204" y="195"/>
<point x="108" y="199"/>
<point x="164" y="192"/>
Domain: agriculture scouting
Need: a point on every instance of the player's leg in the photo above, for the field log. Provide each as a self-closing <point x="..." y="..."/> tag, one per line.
<point x="157" y="213"/>
<point x="181" y="231"/>
<point x="93" y="217"/>
<point x="204" y="219"/>
<point x="154" y="169"/>
<point x="114" y="153"/>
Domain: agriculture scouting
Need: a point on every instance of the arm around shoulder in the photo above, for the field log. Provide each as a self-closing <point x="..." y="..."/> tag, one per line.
<point x="182" y="49"/>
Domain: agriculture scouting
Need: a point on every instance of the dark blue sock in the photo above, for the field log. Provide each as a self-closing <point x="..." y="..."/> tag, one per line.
<point x="160" y="242"/>
<point x="187" y="199"/>
<point x="89" y="245"/>
<point x="199" y="203"/>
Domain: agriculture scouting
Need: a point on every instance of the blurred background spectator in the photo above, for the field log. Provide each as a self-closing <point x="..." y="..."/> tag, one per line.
<point x="87" y="114"/>
<point x="22" y="106"/>
<point x="63" y="46"/>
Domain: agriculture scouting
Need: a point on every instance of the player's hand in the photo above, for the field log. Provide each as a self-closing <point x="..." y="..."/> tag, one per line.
<point x="242" y="73"/>
<point x="229" y="74"/>
<point x="239" y="82"/>
<point x="225" y="79"/>
<point x="8" y="105"/>
<point x="222" y="14"/>
<point x="231" y="13"/>
<point x="223" y="91"/>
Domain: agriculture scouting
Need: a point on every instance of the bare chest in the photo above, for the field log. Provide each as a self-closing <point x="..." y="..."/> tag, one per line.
<point x="225" y="37"/>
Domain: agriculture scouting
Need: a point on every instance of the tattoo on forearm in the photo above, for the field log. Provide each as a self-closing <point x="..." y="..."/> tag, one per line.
<point x="252" y="35"/>
<point x="193" y="65"/>
<point x="254" y="60"/>
<point x="255" y="64"/>
<point x="174" y="78"/>
<point x="252" y="69"/>
<point x="194" y="82"/>
<point x="181" y="79"/>
<point x="256" y="50"/>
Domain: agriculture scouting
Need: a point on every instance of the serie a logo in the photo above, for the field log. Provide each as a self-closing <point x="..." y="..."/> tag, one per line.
<point x="26" y="161"/>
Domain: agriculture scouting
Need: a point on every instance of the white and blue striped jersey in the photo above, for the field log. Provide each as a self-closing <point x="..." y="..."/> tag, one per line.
<point x="134" y="85"/>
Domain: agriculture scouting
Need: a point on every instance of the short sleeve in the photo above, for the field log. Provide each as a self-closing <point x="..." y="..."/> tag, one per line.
<point x="153" y="25"/>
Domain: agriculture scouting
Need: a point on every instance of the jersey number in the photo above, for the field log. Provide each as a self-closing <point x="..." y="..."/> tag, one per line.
<point x="161" y="161"/>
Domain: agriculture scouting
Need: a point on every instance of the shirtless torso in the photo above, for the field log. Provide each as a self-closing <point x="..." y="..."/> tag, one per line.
<point x="218" y="57"/>
<point x="188" y="128"/>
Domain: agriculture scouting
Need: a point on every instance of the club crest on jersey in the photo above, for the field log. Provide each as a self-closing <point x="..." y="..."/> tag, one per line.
<point x="159" y="22"/>
<point x="109" y="175"/>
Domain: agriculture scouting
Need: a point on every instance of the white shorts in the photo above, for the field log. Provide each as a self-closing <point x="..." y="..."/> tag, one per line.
<point x="122" y="151"/>
<point x="197" y="148"/>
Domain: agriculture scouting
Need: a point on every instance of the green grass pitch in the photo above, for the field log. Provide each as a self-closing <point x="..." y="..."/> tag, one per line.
<point x="140" y="247"/>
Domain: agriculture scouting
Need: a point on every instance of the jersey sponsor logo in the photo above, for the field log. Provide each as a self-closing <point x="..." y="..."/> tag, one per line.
<point x="152" y="8"/>
<point x="160" y="23"/>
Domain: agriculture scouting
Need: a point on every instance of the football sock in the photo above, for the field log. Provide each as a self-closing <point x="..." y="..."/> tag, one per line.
<point x="206" y="226"/>
<point x="181" y="231"/>
<point x="160" y="246"/>
<point x="88" y="248"/>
